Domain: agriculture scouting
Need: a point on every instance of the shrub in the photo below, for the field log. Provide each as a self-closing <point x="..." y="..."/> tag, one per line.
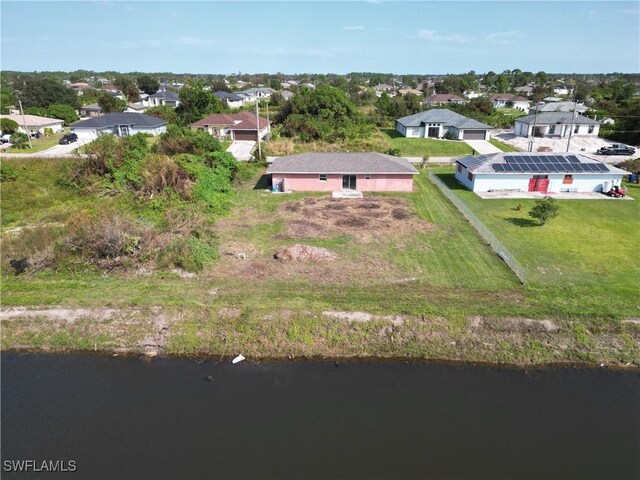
<point x="106" y="237"/>
<point x="19" y="140"/>
<point x="192" y="253"/>
<point x="449" y="136"/>
<point x="48" y="132"/>
<point x="393" y="151"/>
<point x="544" y="209"/>
<point x="8" y="126"/>
<point x="179" y="140"/>
<point x="160" y="172"/>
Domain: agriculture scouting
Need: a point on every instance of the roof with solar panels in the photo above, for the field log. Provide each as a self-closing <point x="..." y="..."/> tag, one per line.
<point x="536" y="163"/>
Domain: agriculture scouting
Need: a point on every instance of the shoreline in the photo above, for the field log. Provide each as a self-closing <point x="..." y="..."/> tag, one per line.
<point x="222" y="332"/>
<point x="207" y="358"/>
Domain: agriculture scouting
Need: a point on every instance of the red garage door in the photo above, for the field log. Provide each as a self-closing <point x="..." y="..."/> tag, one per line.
<point x="245" y="135"/>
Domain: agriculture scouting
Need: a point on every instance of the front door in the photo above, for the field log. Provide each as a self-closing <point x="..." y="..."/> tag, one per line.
<point x="348" y="182"/>
<point x="433" y="132"/>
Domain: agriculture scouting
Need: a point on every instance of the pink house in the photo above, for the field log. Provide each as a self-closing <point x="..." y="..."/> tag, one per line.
<point x="330" y="172"/>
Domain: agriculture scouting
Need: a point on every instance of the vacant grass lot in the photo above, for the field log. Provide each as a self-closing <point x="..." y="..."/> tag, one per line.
<point x="419" y="147"/>
<point x="417" y="258"/>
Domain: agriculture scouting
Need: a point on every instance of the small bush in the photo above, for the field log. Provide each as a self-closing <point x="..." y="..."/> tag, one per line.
<point x="544" y="209"/>
<point x="8" y="126"/>
<point x="106" y="237"/>
<point x="160" y="172"/>
<point x="449" y="136"/>
<point x="19" y="140"/>
<point x="192" y="253"/>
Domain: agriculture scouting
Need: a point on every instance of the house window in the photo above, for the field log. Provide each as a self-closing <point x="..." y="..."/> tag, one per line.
<point x="470" y="176"/>
<point x="591" y="128"/>
<point x="459" y="168"/>
<point x="568" y="180"/>
<point x="576" y="128"/>
<point x="552" y="129"/>
<point x="323" y="177"/>
<point x="367" y="176"/>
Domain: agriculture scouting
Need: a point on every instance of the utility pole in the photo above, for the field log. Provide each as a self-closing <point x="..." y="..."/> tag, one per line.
<point x="258" y="129"/>
<point x="24" y="121"/>
<point x="573" y="118"/>
<point x="533" y="131"/>
<point x="268" y="124"/>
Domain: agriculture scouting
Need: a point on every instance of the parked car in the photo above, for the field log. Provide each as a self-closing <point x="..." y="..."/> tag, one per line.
<point x="68" y="138"/>
<point x="616" y="150"/>
<point x="5" y="138"/>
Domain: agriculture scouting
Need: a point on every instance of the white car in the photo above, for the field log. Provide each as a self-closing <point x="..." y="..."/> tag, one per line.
<point x="5" y="138"/>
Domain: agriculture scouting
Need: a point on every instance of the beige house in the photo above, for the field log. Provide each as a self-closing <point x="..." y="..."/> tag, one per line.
<point x="31" y="124"/>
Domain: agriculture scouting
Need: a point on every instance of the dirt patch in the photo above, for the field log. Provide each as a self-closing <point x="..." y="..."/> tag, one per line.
<point x="514" y="324"/>
<point x="305" y="253"/>
<point x="68" y="315"/>
<point x="303" y="229"/>
<point x="363" y="317"/>
<point x="365" y="220"/>
<point x="254" y="270"/>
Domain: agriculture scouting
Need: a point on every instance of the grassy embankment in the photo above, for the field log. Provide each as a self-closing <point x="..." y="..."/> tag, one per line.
<point x="454" y="297"/>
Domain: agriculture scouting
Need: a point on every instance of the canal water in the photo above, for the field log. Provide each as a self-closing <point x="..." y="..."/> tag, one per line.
<point x="128" y="418"/>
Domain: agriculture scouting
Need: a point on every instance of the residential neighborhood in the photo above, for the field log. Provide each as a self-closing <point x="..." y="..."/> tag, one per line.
<point x="259" y="240"/>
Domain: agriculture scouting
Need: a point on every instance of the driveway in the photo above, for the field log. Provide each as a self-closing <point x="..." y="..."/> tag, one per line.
<point x="55" y="151"/>
<point x="241" y="149"/>
<point x="579" y="144"/>
<point x="483" y="147"/>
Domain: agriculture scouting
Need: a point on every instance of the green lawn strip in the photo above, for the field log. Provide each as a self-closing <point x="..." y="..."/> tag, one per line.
<point x="419" y="147"/>
<point x="39" y="144"/>
<point x="505" y="147"/>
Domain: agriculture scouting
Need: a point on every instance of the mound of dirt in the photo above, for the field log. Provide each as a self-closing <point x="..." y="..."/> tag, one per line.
<point x="305" y="253"/>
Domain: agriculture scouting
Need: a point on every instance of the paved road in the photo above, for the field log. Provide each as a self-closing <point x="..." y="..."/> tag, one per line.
<point x="55" y="151"/>
<point x="241" y="149"/>
<point x="483" y="147"/>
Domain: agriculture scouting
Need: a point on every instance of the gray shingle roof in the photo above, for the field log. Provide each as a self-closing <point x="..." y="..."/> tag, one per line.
<point x="125" y="118"/>
<point x="443" y="116"/>
<point x="168" y="95"/>
<point x="234" y="97"/>
<point x="549" y="118"/>
<point x="484" y="163"/>
<point x="368" y="162"/>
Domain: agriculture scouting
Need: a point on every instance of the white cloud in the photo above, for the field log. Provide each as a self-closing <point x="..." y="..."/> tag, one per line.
<point x="435" y="36"/>
<point x="505" y="37"/>
<point x="194" y="41"/>
<point x="139" y="44"/>
<point x="353" y="27"/>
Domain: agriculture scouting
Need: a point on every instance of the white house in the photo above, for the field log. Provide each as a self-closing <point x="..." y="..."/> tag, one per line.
<point x="562" y="106"/>
<point x="232" y="100"/>
<point x="163" y="97"/>
<point x="438" y="122"/>
<point x="555" y="124"/>
<point x="259" y="92"/>
<point x="119" y="124"/>
<point x="31" y="124"/>
<point x="536" y="172"/>
<point x="507" y="100"/>
<point x="562" y="90"/>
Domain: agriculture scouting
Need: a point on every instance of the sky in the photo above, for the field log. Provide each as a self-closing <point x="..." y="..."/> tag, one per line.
<point x="321" y="36"/>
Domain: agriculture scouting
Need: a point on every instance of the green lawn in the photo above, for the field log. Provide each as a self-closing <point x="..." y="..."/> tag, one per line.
<point x="505" y="147"/>
<point x="39" y="144"/>
<point x="419" y="147"/>
<point x="586" y="256"/>
<point x="511" y="112"/>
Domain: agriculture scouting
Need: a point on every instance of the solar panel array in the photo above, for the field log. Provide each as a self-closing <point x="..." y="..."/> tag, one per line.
<point x="547" y="164"/>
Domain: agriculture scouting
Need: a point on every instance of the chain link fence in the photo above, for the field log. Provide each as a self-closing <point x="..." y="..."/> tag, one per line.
<point x="485" y="233"/>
